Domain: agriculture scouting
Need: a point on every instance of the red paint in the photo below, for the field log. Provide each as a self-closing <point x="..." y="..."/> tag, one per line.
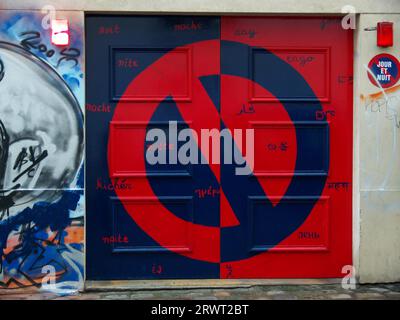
<point x="384" y="34"/>
<point x="323" y="244"/>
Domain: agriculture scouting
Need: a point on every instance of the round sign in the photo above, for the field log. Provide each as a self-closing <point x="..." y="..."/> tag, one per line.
<point x="383" y="70"/>
<point x="219" y="243"/>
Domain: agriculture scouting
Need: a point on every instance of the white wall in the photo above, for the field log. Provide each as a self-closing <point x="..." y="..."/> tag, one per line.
<point x="379" y="161"/>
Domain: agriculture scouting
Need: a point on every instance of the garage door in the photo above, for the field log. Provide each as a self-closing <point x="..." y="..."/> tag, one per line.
<point x="218" y="147"/>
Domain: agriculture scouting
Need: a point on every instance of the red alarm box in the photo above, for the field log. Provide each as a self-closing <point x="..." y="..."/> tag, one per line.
<point x="384" y="34"/>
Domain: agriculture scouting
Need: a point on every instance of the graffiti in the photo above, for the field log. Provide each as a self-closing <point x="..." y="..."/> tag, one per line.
<point x="247" y="109"/>
<point x="345" y="79"/>
<point x="323" y="115"/>
<point x="246" y="33"/>
<point x="115" y="239"/>
<point x="98" y="107"/>
<point x="188" y="26"/>
<point x="104" y="30"/>
<point x="23" y="158"/>
<point x="229" y="270"/>
<point x="41" y="157"/>
<point x="209" y="192"/>
<point x="127" y="63"/>
<point x="327" y="22"/>
<point x="156" y="269"/>
<point x="32" y="40"/>
<point x="283" y="146"/>
<point x="116" y="184"/>
<point x="338" y="186"/>
<point x="387" y="104"/>
<point x="301" y="60"/>
<point x="381" y="112"/>
<point x="308" y="235"/>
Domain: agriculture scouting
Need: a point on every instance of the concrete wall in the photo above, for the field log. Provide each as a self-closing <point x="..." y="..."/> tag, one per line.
<point x="379" y="161"/>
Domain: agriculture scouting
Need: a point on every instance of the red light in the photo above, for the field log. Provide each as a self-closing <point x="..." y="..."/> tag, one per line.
<point x="59" y="32"/>
<point x="385" y="34"/>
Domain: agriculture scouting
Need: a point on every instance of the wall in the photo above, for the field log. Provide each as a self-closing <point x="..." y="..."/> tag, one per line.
<point x="28" y="242"/>
<point x="379" y="162"/>
<point x="41" y="153"/>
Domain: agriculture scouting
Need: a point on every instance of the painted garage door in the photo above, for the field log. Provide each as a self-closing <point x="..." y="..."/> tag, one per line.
<point x="218" y="147"/>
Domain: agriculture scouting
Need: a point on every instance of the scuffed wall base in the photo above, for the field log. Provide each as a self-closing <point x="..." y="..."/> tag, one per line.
<point x="380" y="237"/>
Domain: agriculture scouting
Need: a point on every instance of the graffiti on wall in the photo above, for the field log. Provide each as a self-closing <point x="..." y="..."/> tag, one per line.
<point x="41" y="153"/>
<point x="381" y="114"/>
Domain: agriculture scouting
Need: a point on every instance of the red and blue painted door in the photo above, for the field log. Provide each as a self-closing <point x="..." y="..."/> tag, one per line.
<point x="248" y="121"/>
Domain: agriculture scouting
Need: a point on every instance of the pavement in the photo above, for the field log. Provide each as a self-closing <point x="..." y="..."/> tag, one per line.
<point x="255" y="292"/>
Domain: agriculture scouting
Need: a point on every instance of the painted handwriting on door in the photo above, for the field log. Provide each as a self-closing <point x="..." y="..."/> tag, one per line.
<point x="308" y="235"/>
<point x="207" y="192"/>
<point x="127" y="63"/>
<point x="250" y="33"/>
<point x="247" y="109"/>
<point x="98" y="107"/>
<point x="323" y="115"/>
<point x="115" y="239"/>
<point x="193" y="26"/>
<point x="283" y="146"/>
<point x="300" y="59"/>
<point x="345" y="79"/>
<point x="108" y="30"/>
<point x="156" y="269"/>
<point x="337" y="186"/>
<point x="229" y="271"/>
<point x="115" y="184"/>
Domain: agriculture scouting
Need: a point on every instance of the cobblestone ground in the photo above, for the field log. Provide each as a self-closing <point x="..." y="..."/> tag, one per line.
<point x="271" y="292"/>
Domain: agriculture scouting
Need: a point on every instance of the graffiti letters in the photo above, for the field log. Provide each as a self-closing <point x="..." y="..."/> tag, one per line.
<point x="108" y="30"/>
<point x="386" y="104"/>
<point x="115" y="239"/>
<point x="98" y="107"/>
<point x="32" y="40"/>
<point x="251" y="33"/>
<point x="115" y="184"/>
<point x="323" y="115"/>
<point x="337" y="186"/>
<point x="247" y="109"/>
<point x="41" y="157"/>
<point x="301" y="60"/>
<point x="207" y="192"/>
<point x="188" y="26"/>
<point x="24" y="158"/>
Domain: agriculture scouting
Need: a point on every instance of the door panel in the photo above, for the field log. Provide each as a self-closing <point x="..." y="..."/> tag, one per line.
<point x="289" y="79"/>
<point x="145" y="221"/>
<point x="286" y="79"/>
